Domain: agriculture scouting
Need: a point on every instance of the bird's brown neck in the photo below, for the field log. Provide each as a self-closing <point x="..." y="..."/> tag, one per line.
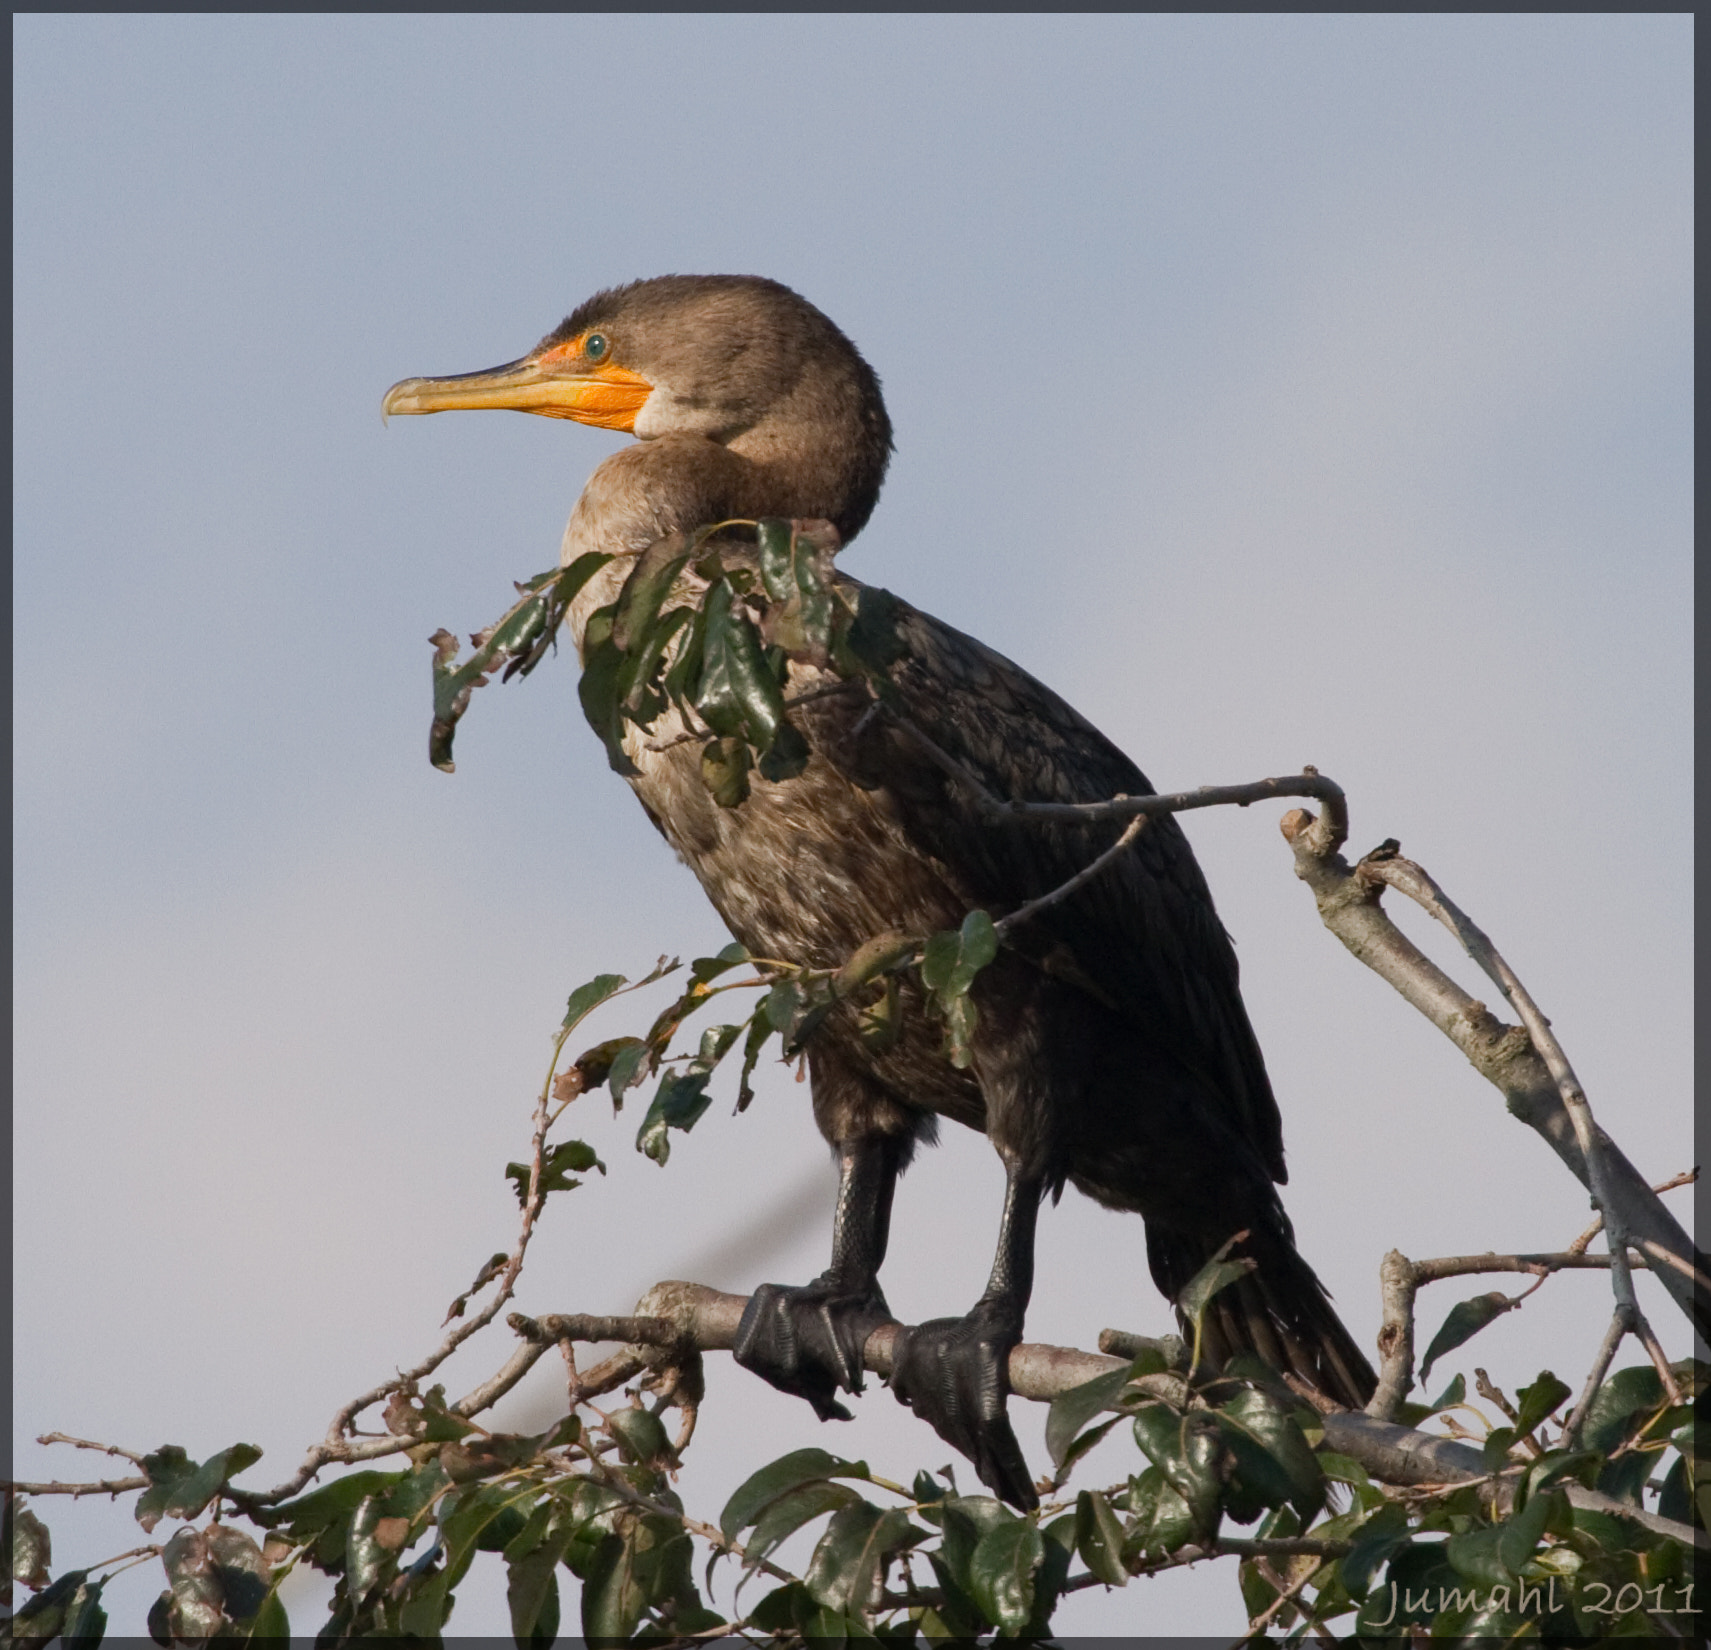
<point x="676" y="483"/>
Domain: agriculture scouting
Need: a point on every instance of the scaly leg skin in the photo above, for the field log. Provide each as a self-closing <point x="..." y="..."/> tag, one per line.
<point x="953" y="1372"/>
<point x="808" y="1341"/>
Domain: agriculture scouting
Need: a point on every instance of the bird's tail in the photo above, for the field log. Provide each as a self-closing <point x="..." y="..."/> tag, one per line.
<point x="1280" y="1311"/>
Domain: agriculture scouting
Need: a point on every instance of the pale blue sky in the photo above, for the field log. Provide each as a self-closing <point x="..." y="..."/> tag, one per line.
<point x="1281" y="389"/>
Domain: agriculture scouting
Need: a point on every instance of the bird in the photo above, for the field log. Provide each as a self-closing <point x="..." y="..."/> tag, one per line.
<point x="1111" y="1049"/>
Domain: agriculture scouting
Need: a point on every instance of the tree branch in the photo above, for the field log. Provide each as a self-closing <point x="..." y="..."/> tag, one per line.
<point x="1348" y="902"/>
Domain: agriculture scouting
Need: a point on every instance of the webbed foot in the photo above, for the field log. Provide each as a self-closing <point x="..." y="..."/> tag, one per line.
<point x="952" y="1373"/>
<point x="809" y="1341"/>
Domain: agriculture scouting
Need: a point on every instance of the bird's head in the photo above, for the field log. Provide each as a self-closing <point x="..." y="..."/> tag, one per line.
<point x="734" y="359"/>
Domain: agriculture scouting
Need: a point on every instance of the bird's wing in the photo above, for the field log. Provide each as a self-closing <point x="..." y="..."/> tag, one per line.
<point x="1143" y="936"/>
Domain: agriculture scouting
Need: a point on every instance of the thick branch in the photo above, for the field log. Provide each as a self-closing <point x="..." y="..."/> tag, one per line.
<point x="694" y="1315"/>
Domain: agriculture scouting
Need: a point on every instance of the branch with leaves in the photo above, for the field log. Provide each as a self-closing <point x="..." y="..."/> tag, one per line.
<point x="1368" y="1518"/>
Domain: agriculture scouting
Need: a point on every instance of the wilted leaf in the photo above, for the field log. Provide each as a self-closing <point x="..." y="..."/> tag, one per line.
<point x="1466" y="1319"/>
<point x="179" y="1488"/>
<point x="32" y="1546"/>
<point x="679" y="1103"/>
<point x="491" y="1268"/>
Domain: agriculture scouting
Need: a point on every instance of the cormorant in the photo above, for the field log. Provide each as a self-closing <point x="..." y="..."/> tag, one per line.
<point x="1112" y="1048"/>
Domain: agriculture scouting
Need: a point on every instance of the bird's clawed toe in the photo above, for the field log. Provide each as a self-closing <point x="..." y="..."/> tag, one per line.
<point x="808" y="1341"/>
<point x="952" y="1373"/>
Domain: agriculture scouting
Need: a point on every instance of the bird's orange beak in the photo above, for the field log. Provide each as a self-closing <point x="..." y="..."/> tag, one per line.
<point x="556" y="383"/>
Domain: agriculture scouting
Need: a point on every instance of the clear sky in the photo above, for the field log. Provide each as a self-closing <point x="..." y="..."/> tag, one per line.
<point x="1281" y="389"/>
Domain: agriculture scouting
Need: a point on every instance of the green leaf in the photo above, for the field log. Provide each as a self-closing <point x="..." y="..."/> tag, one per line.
<point x="613" y="1597"/>
<point x="556" y="1168"/>
<point x="1539" y="1401"/>
<point x="965" y="1520"/>
<point x="777" y="1478"/>
<point x="366" y="1561"/>
<point x="786" y="1515"/>
<point x="628" y="1070"/>
<point x="1627" y="1393"/>
<point x="1343" y="1469"/>
<point x="531" y="1594"/>
<point x="650" y="581"/>
<point x="1272" y="1455"/>
<point x="1522" y="1533"/>
<point x="1163" y="1521"/>
<point x="707" y="969"/>
<point x="1185" y="1448"/>
<point x="1380" y="1536"/>
<point x="774" y="537"/>
<point x="737" y="694"/>
<point x="759" y="1030"/>
<point x="1477" y="1555"/>
<point x="1466" y="1319"/>
<point x="874" y="641"/>
<point x="1071" y="1411"/>
<point x="849" y="1561"/>
<point x="640" y="1435"/>
<point x="1217" y="1274"/>
<point x="679" y="1103"/>
<point x="1001" y="1572"/>
<point x="1099" y="1538"/>
<point x="85" y="1620"/>
<point x="588" y="997"/>
<point x="179" y="1488"/>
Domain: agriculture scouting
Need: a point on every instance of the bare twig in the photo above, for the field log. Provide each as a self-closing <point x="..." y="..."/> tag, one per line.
<point x="106" y="1486"/>
<point x="88" y="1443"/>
<point x="1085" y="875"/>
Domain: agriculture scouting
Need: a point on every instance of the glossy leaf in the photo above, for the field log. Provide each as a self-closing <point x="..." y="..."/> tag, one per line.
<point x="848" y="1564"/>
<point x="785" y="1516"/>
<point x="1610" y="1417"/>
<point x="1466" y="1319"/>
<point x="1001" y="1572"/>
<point x="531" y="1595"/>
<point x="1185" y="1448"/>
<point x="1071" y="1411"/>
<point x="639" y="1435"/>
<point x="1163" y="1520"/>
<point x="1272" y="1457"/>
<point x="777" y="1478"/>
<point x="1099" y="1538"/>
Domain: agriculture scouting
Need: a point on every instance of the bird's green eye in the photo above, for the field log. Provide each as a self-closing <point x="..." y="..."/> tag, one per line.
<point x="595" y="346"/>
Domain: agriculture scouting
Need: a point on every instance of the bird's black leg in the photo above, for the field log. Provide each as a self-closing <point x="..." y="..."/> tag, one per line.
<point x="953" y="1371"/>
<point x="809" y="1341"/>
